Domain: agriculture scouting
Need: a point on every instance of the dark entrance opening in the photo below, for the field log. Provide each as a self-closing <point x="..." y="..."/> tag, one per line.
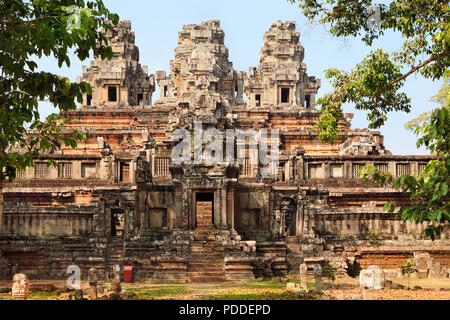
<point x="204" y="197"/>
<point x="307" y="101"/>
<point x="112" y="94"/>
<point x="117" y="222"/>
<point x="204" y="208"/>
<point x="258" y="100"/>
<point x="285" y="92"/>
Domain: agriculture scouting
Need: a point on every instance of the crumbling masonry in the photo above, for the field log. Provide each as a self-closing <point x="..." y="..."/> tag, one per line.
<point x="120" y="199"/>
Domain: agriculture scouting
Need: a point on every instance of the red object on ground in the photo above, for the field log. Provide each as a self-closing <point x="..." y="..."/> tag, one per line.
<point x="127" y="274"/>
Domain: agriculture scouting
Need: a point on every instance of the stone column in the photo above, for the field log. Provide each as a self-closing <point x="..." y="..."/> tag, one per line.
<point x="223" y="209"/>
<point x="93" y="280"/>
<point x="303" y="276"/>
<point x="318" y="277"/>
<point x="230" y="207"/>
<point x="178" y="205"/>
<point x="217" y="211"/>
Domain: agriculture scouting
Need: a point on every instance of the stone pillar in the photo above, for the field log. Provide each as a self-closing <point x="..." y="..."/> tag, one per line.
<point x="318" y="277"/>
<point x="240" y="93"/>
<point x="93" y="280"/>
<point x="303" y="276"/>
<point x="20" y="287"/>
<point x="230" y="207"/>
<point x="217" y="211"/>
<point x="178" y="205"/>
<point x="223" y="208"/>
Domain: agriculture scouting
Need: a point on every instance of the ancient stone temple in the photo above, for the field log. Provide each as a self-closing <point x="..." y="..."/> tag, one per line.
<point x="170" y="189"/>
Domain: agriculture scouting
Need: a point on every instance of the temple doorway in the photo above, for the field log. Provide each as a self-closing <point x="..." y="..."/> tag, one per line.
<point x="117" y="223"/>
<point x="204" y="209"/>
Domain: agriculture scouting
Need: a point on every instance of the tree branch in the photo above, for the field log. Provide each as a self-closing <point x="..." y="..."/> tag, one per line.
<point x="423" y="64"/>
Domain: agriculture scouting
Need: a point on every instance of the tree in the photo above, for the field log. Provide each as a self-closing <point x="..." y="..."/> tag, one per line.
<point x="408" y="269"/>
<point x="29" y="30"/>
<point x="329" y="271"/>
<point x="374" y="85"/>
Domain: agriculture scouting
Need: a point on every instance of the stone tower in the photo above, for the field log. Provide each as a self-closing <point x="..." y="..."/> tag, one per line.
<point x="281" y="80"/>
<point x="201" y="79"/>
<point x="121" y="81"/>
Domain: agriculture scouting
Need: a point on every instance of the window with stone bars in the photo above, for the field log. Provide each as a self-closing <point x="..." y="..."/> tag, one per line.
<point x="383" y="167"/>
<point x="162" y="166"/>
<point x="403" y="169"/>
<point x="21" y="174"/>
<point x="356" y="167"/>
<point x="41" y="170"/>
<point x="421" y="167"/>
<point x="246" y="168"/>
<point x="65" y="170"/>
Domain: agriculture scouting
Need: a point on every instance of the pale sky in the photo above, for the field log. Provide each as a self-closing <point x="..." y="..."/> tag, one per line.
<point x="157" y="23"/>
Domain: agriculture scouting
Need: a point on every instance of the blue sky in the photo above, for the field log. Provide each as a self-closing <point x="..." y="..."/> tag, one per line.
<point x="157" y="23"/>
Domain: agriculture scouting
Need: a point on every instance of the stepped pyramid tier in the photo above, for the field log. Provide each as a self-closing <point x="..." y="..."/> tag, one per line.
<point x="121" y="198"/>
<point x="121" y="81"/>
<point x="281" y="80"/>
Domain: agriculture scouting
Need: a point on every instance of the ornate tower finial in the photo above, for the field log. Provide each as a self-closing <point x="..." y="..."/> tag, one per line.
<point x="121" y="81"/>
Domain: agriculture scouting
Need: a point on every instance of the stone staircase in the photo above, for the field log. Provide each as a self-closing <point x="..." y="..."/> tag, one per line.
<point x="206" y="259"/>
<point x="114" y="253"/>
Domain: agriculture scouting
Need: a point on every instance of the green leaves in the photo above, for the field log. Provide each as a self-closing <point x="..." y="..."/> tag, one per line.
<point x="428" y="192"/>
<point x="374" y="85"/>
<point x="36" y="28"/>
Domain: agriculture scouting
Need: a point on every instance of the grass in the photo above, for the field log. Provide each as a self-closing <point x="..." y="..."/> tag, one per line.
<point x="156" y="292"/>
<point x="265" y="290"/>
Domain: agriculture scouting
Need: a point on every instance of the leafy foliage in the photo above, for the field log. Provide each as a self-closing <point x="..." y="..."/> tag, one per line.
<point x="329" y="271"/>
<point x="407" y="268"/>
<point x="374" y="239"/>
<point x="429" y="191"/>
<point x="29" y="30"/>
<point x="374" y="85"/>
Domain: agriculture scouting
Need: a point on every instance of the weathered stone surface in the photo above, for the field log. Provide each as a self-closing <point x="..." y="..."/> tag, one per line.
<point x="303" y="276"/>
<point x="371" y="278"/>
<point x="119" y="199"/>
<point x="20" y="287"/>
<point x="93" y="281"/>
<point x="318" y="277"/>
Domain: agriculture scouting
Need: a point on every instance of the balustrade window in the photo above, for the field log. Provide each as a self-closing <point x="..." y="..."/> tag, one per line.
<point x="21" y="174"/>
<point x="403" y="169"/>
<point x="356" y="167"/>
<point x="383" y="167"/>
<point x="421" y="167"/>
<point x="65" y="170"/>
<point x="162" y="166"/>
<point x="41" y="170"/>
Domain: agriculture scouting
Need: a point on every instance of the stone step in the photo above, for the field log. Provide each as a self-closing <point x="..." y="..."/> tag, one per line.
<point x="200" y="270"/>
<point x="205" y="258"/>
<point x="195" y="274"/>
<point x="203" y="279"/>
<point x="200" y="266"/>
